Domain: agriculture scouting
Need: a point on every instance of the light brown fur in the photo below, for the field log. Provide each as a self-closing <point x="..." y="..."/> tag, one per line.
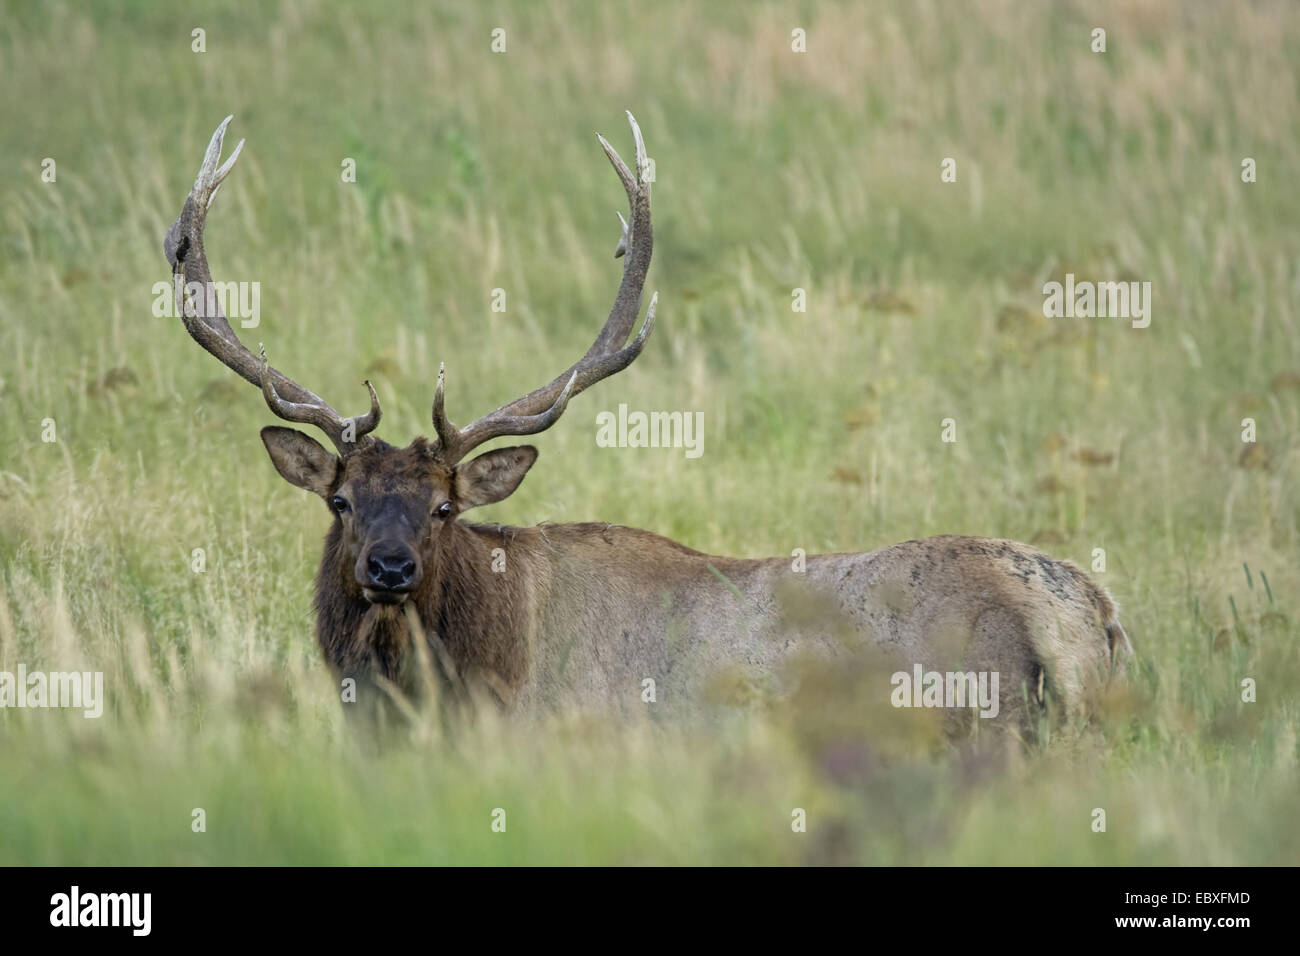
<point x="577" y="616"/>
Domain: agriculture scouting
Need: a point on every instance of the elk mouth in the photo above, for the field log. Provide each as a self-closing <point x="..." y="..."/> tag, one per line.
<point x="385" y="595"/>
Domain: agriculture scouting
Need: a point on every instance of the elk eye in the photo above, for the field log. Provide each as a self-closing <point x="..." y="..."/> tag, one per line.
<point x="443" y="510"/>
<point x="339" y="504"/>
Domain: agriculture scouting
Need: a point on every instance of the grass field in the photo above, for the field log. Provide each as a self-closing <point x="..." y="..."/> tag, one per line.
<point x="775" y="171"/>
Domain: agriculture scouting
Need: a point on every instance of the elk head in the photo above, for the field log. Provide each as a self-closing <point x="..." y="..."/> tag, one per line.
<point x="393" y="505"/>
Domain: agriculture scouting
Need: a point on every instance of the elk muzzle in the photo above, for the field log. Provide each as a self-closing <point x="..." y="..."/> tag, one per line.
<point x="388" y="571"/>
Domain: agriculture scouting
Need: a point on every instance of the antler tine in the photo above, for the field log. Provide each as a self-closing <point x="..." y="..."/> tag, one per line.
<point x="540" y="408"/>
<point x="206" y="322"/>
<point x="322" y="416"/>
<point x="447" y="432"/>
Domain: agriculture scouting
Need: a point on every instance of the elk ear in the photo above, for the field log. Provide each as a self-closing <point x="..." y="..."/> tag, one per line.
<point x="301" y="459"/>
<point x="493" y="475"/>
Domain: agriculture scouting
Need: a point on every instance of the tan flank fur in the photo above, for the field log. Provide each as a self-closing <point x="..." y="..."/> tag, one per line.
<point x="583" y="614"/>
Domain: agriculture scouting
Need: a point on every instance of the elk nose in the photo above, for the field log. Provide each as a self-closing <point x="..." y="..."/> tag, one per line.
<point x="393" y="572"/>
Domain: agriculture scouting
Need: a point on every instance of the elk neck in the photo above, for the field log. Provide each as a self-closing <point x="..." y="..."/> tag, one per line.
<point x="478" y="595"/>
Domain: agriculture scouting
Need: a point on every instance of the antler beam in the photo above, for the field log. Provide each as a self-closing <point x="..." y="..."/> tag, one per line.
<point x="542" y="407"/>
<point x="201" y="312"/>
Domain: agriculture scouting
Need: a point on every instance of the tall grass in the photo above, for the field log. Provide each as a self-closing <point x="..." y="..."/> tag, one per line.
<point x="775" y="171"/>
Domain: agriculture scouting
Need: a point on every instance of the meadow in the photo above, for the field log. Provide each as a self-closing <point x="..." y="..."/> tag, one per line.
<point x="776" y="171"/>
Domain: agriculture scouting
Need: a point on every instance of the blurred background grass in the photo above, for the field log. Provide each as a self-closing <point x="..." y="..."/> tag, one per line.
<point x="775" y="171"/>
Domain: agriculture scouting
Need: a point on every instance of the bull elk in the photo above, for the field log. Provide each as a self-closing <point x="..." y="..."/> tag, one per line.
<point x="583" y="614"/>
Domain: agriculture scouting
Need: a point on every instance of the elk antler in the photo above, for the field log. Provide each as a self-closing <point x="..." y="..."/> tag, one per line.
<point x="207" y="325"/>
<point x="541" y="408"/>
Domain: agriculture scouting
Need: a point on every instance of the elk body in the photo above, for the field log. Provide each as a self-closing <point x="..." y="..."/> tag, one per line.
<point x="581" y="615"/>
